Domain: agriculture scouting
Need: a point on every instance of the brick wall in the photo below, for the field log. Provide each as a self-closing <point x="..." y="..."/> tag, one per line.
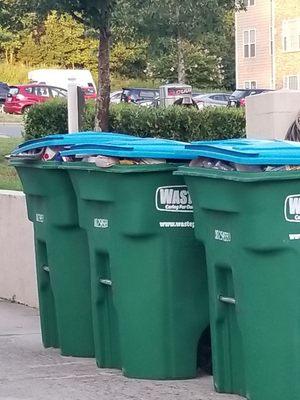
<point x="287" y="63"/>
<point x="259" y="68"/>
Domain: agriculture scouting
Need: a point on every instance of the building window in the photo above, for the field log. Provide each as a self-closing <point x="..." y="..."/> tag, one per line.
<point x="249" y="43"/>
<point x="292" y="82"/>
<point x="248" y="3"/>
<point x="291" y="35"/>
<point x="250" y="85"/>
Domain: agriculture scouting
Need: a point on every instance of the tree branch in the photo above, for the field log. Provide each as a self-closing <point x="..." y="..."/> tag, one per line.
<point x="76" y="17"/>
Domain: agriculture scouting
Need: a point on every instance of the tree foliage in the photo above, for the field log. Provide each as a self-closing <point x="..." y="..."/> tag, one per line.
<point x="176" y="20"/>
<point x="203" y="69"/>
<point x="191" y="41"/>
<point x="62" y="43"/>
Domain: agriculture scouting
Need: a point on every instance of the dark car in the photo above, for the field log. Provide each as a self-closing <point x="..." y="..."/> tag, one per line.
<point x="138" y="95"/>
<point x="4" y="89"/>
<point x="21" y="97"/>
<point x="238" y="97"/>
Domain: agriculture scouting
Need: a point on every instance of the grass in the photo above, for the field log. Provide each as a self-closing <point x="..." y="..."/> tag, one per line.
<point x="9" y="179"/>
<point x="11" y="118"/>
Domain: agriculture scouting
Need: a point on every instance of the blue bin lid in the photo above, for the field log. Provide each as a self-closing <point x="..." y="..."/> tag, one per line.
<point x="70" y="140"/>
<point x="246" y="151"/>
<point x="83" y="138"/>
<point x="144" y="148"/>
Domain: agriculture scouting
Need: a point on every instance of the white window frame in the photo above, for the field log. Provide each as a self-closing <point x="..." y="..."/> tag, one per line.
<point x="286" y="81"/>
<point x="249" y="42"/>
<point x="247" y="3"/>
<point x="249" y="84"/>
<point x="286" y="39"/>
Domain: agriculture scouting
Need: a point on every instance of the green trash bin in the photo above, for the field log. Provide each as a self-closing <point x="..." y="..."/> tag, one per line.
<point x="62" y="258"/>
<point x="248" y="224"/>
<point x="149" y="284"/>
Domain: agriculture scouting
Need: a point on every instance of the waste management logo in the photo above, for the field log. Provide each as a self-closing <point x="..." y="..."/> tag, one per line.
<point x="173" y="199"/>
<point x="292" y="208"/>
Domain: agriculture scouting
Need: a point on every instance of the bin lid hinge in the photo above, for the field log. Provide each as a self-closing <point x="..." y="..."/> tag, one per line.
<point x="227" y="300"/>
<point x="106" y="282"/>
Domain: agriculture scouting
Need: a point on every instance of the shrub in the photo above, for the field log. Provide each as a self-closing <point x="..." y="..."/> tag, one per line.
<point x="46" y="118"/>
<point x="173" y="122"/>
<point x="178" y="122"/>
<point x="52" y="117"/>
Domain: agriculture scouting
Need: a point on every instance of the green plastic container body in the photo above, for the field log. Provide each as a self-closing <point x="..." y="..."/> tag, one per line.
<point x="249" y="225"/>
<point x="149" y="284"/>
<point x="62" y="258"/>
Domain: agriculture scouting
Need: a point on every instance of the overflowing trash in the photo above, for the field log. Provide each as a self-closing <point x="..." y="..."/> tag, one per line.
<point x="106" y="161"/>
<point x="244" y="155"/>
<point x="204" y="162"/>
<point x="105" y="150"/>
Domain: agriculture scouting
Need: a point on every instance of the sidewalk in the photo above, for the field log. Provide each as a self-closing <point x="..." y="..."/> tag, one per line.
<point x="29" y="372"/>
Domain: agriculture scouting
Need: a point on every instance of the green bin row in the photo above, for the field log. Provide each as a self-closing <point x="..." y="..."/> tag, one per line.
<point x="120" y="274"/>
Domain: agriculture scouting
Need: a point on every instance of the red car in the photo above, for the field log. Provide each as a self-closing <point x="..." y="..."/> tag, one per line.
<point x="21" y="97"/>
<point x="89" y="93"/>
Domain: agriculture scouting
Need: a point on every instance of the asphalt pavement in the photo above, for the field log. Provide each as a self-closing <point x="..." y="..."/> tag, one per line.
<point x="30" y="372"/>
<point x="10" y="129"/>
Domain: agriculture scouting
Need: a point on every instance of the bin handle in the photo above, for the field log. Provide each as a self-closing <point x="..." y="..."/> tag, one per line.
<point x="46" y="268"/>
<point x="106" y="282"/>
<point x="227" y="300"/>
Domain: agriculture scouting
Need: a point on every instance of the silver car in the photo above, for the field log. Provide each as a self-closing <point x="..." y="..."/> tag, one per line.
<point x="212" y="100"/>
<point x="115" y="97"/>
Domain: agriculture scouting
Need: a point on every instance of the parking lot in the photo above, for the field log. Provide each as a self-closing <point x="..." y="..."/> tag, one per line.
<point x="10" y="129"/>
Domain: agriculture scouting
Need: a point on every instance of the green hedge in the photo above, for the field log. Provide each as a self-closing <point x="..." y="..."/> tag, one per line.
<point x="173" y="122"/>
<point x="179" y="122"/>
<point x="45" y="119"/>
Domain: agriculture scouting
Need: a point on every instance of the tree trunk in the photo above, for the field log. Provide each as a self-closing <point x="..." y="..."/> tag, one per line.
<point x="103" y="96"/>
<point x="181" y="61"/>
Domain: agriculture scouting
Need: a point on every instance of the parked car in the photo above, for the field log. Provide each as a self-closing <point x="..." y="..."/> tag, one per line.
<point x="138" y="95"/>
<point x="21" y="97"/>
<point x="4" y="89"/>
<point x="212" y="100"/>
<point x="115" y="97"/>
<point x="238" y="97"/>
<point x="62" y="77"/>
<point x="89" y="93"/>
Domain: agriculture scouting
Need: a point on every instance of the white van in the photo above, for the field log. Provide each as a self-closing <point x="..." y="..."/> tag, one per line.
<point x="62" y="77"/>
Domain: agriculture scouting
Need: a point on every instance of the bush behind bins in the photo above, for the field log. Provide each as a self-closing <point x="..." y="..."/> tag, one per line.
<point x="177" y="123"/>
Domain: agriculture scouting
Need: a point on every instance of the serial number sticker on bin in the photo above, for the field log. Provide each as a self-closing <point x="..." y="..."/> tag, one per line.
<point x="173" y="199"/>
<point x="100" y="223"/>
<point x="292" y="208"/>
<point x="222" y="236"/>
<point x="40" y="218"/>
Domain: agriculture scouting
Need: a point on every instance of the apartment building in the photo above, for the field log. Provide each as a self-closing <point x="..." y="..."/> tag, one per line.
<point x="268" y="45"/>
